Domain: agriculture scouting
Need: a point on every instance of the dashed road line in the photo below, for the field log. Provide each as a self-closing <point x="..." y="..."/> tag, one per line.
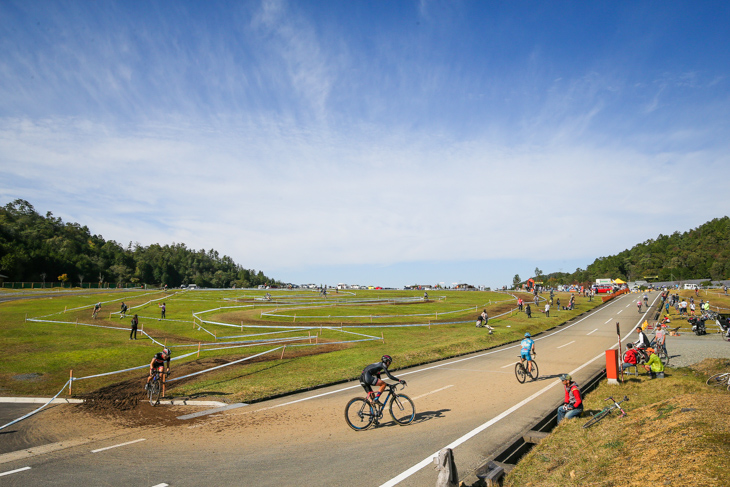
<point x="561" y="346"/>
<point x="117" y="446"/>
<point x="433" y="392"/>
<point x="10" y="472"/>
<point x="592" y="332"/>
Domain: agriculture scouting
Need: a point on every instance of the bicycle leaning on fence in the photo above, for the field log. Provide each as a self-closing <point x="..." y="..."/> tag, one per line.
<point x="521" y="370"/>
<point x="606" y="411"/>
<point x="720" y="380"/>
<point x="361" y="413"/>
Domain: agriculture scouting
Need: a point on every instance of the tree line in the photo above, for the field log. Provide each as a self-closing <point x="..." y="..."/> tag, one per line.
<point x="700" y="253"/>
<point x="44" y="248"/>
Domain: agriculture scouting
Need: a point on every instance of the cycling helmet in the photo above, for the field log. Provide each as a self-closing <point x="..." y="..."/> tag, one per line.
<point x="166" y="352"/>
<point x="386" y="359"/>
<point x="527" y="335"/>
<point x="565" y="377"/>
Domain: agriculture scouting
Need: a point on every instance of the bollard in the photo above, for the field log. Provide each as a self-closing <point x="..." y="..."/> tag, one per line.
<point x="448" y="476"/>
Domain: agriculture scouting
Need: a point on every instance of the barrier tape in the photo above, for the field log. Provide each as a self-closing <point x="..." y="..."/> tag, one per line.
<point x="36" y="410"/>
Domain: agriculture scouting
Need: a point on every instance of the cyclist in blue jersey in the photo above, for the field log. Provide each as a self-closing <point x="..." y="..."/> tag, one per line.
<point x="528" y="347"/>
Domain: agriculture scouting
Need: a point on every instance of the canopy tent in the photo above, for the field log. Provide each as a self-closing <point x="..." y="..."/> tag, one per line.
<point x="619" y="281"/>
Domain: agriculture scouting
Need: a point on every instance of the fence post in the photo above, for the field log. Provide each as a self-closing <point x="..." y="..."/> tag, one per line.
<point x="282" y="353"/>
<point x="198" y="350"/>
<point x="382" y="337"/>
<point x="71" y="381"/>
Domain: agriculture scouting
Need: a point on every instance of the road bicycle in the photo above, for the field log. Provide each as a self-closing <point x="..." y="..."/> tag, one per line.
<point x="521" y="370"/>
<point x="721" y="380"/>
<point x="154" y="388"/>
<point x="606" y="411"/>
<point x="361" y="413"/>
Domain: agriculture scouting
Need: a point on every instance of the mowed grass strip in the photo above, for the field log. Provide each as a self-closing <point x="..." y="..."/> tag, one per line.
<point x="38" y="356"/>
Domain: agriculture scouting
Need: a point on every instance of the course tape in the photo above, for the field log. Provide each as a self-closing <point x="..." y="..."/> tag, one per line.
<point x="36" y="410"/>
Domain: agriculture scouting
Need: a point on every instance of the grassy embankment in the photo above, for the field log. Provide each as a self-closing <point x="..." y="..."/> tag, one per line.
<point x="677" y="431"/>
<point x="38" y="356"/>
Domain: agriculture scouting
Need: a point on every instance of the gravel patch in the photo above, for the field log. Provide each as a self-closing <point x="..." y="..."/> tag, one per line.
<point x="688" y="348"/>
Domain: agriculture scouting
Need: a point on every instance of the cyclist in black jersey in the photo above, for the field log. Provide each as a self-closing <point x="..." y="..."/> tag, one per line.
<point x="161" y="363"/>
<point x="371" y="377"/>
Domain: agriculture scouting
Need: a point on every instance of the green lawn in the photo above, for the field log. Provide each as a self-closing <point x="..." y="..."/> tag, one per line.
<point x="38" y="356"/>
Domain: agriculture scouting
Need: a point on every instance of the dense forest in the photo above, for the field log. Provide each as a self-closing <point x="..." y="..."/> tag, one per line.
<point x="45" y="249"/>
<point x="701" y="253"/>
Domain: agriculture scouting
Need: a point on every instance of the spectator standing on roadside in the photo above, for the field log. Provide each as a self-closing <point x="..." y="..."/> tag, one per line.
<point x="547" y="310"/>
<point x="692" y="308"/>
<point x="133" y="333"/>
<point x="683" y="308"/>
<point x="528" y="311"/>
<point x="162" y="310"/>
<point x="573" y="403"/>
<point x="558" y="303"/>
<point x="660" y="339"/>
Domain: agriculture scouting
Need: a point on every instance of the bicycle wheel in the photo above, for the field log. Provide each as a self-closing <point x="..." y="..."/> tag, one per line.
<point x="596" y="418"/>
<point x="359" y="414"/>
<point x="535" y="372"/>
<point x="520" y="373"/>
<point x="154" y="392"/>
<point x="402" y="409"/>
<point x="719" y="380"/>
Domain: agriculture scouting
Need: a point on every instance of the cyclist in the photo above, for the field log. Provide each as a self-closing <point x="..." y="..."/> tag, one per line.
<point x="371" y="377"/>
<point x="638" y="304"/>
<point x="646" y="300"/>
<point x="528" y="347"/>
<point x="97" y="308"/>
<point x="161" y="363"/>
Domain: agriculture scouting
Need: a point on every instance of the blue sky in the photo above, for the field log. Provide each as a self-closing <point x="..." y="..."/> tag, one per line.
<point x="382" y="143"/>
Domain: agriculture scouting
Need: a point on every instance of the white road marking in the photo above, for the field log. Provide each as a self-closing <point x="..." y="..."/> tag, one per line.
<point x="592" y="332"/>
<point x="429" y="460"/>
<point x="561" y="346"/>
<point x="619" y="311"/>
<point x="160" y="485"/>
<point x="508" y="365"/>
<point x="116" y="446"/>
<point x="609" y="321"/>
<point x="433" y="392"/>
<point x="14" y="471"/>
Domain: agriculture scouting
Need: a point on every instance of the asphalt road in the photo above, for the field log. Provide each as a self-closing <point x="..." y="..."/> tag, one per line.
<point x="472" y="404"/>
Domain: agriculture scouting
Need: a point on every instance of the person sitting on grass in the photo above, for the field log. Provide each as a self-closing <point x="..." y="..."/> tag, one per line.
<point x="654" y="366"/>
<point x="573" y="404"/>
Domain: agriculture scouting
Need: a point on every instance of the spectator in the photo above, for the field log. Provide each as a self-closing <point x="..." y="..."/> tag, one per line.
<point x="528" y="311"/>
<point x="133" y="333"/>
<point x="643" y="341"/>
<point x="162" y="308"/>
<point x="547" y="310"/>
<point x="558" y="303"/>
<point x="573" y="404"/>
<point x="660" y="339"/>
<point x="655" y="367"/>
<point x="629" y="357"/>
<point x="519" y="304"/>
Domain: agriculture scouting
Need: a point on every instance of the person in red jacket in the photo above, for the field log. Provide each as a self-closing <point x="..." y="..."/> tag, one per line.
<point x="629" y="357"/>
<point x="573" y="404"/>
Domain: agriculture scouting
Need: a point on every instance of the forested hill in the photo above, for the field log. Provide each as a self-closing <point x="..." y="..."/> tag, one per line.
<point x="700" y="253"/>
<point x="43" y="248"/>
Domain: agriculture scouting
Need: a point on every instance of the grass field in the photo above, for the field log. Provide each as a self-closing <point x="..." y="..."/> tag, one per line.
<point x="57" y="338"/>
<point x="676" y="433"/>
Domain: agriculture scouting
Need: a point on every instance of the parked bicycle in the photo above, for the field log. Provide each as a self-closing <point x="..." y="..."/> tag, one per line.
<point x="361" y="413"/>
<point x="606" y="411"/>
<point x="521" y="370"/>
<point x="721" y="380"/>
